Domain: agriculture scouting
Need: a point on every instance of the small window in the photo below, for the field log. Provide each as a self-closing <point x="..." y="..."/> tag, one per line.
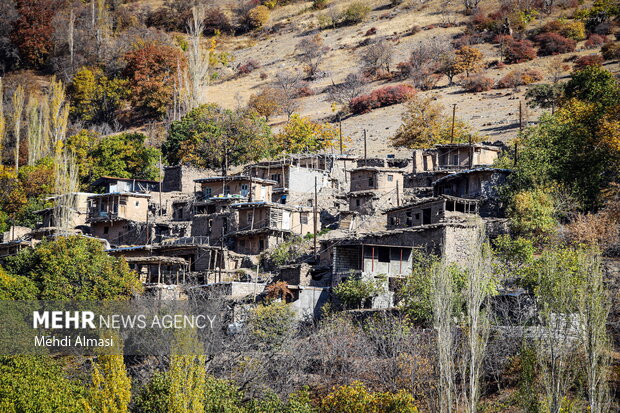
<point x="137" y="203"/>
<point x="390" y="178"/>
<point x="371" y="182"/>
<point x="207" y="192"/>
<point x="226" y="190"/>
<point x="106" y="230"/>
<point x="123" y="201"/>
<point x="261" y="244"/>
<point x="394" y="220"/>
<point x="357" y="202"/>
<point x="417" y="217"/>
<point x="456" y="159"/>
<point x="303" y="218"/>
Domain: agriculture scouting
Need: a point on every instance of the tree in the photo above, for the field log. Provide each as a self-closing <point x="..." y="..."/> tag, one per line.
<point x="214" y="137"/>
<point x="377" y="56"/>
<point x="94" y="97"/>
<point x="257" y="17"/>
<point x="267" y="102"/>
<point x="17" y="103"/>
<point x="312" y="50"/>
<point x="152" y="71"/>
<point x="532" y="213"/>
<point x="153" y="396"/>
<point x="354" y="292"/>
<point x="449" y="66"/>
<point x="110" y="391"/>
<point x="303" y="135"/>
<point x="33" y="30"/>
<point x="343" y="93"/>
<point x="88" y="273"/>
<point x="187" y="375"/>
<point x="545" y="95"/>
<point x="271" y="325"/>
<point x="357" y="398"/>
<point x="468" y="59"/>
<point x="470" y="6"/>
<point x="37" y="384"/>
<point x="594" y="85"/>
<point x="425" y="60"/>
<point x="288" y="83"/>
<point x="424" y="125"/>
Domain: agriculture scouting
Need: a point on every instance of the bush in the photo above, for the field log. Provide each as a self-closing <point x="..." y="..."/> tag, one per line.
<point x="519" y="77"/>
<point x="611" y="51"/>
<point x="385" y="96"/>
<point x="554" y="43"/>
<point x="216" y="20"/>
<point x="258" y="17"/>
<point x="305" y="91"/>
<point x="590" y="60"/>
<point x="477" y="83"/>
<point x="319" y="4"/>
<point x="594" y="41"/>
<point x="575" y="30"/>
<point x="248" y="67"/>
<point x="518" y="51"/>
<point x="355" y="13"/>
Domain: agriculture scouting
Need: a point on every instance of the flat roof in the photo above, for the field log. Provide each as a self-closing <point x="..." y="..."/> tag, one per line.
<point x="466" y="145"/>
<point x="471" y="171"/>
<point x="103" y="179"/>
<point x="134" y="194"/>
<point x="236" y="178"/>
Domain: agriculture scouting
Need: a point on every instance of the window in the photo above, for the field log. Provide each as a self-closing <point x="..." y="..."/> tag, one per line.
<point x="383" y="254"/>
<point x="393" y="220"/>
<point x="371" y="182"/>
<point x="455" y="159"/>
<point x="417" y="217"/>
<point x="123" y="201"/>
<point x="226" y="190"/>
<point x="261" y="244"/>
<point x="244" y="190"/>
<point x="426" y="216"/>
<point x="106" y="230"/>
<point x="207" y="192"/>
<point x="357" y="202"/>
<point x="390" y="178"/>
<point x="242" y="243"/>
<point x="248" y="218"/>
<point x="275" y="177"/>
<point x="137" y="203"/>
<point x="303" y="218"/>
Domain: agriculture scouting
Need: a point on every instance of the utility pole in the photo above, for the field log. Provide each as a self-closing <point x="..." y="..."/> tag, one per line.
<point x="365" y="153"/>
<point x="520" y="116"/>
<point x="397" y="195"/>
<point x="453" y="119"/>
<point x="340" y="132"/>
<point x="161" y="177"/>
<point x="314" y="206"/>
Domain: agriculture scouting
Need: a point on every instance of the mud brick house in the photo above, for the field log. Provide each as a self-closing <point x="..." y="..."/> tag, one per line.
<point x="72" y="207"/>
<point x="120" y="218"/>
<point x="110" y="184"/>
<point x="372" y="188"/>
<point x="236" y="186"/>
<point x="262" y="225"/>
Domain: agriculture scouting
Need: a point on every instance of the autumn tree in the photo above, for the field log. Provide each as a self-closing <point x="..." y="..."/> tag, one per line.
<point x="303" y="135"/>
<point x="95" y="97"/>
<point x="425" y="60"/>
<point x="152" y="71"/>
<point x="468" y="60"/>
<point x="288" y="82"/>
<point x="311" y="51"/>
<point x="267" y="102"/>
<point x="110" y="390"/>
<point x="351" y="87"/>
<point x="187" y="374"/>
<point x="33" y="30"/>
<point x="211" y="136"/>
<point x="424" y="125"/>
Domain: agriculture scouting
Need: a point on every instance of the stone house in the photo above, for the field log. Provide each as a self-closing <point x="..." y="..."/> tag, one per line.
<point x="75" y="206"/>
<point x="372" y="188"/>
<point x="430" y="211"/>
<point x="262" y="225"/>
<point x="120" y="218"/>
<point x="236" y="186"/>
<point x="459" y="156"/>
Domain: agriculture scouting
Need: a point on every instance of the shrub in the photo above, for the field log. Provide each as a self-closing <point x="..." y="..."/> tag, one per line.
<point x="385" y="96"/>
<point x="594" y="41"/>
<point x="575" y="30"/>
<point x="554" y="43"/>
<point x="519" y="77"/>
<point x="248" y="67"/>
<point x="518" y="51"/>
<point x="355" y="13"/>
<point x="611" y="51"/>
<point x="216" y="20"/>
<point x="319" y="4"/>
<point x="305" y="91"/>
<point x="590" y="60"/>
<point x="257" y="17"/>
<point x="477" y="83"/>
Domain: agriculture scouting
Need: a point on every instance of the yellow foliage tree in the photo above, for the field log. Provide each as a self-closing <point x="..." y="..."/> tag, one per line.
<point x="300" y="134"/>
<point x="425" y="125"/>
<point x="187" y="375"/>
<point x="468" y="59"/>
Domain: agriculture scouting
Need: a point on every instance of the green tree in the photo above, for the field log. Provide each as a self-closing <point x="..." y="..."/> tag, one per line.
<point x="187" y="374"/>
<point x="357" y="398"/>
<point x="354" y="292"/>
<point x="595" y="85"/>
<point x="214" y="137"/>
<point x="124" y="155"/>
<point x="37" y="384"/>
<point x="545" y="95"/>
<point x="153" y="397"/>
<point x="270" y="325"/>
<point x="532" y="213"/>
<point x="75" y="268"/>
<point x="95" y="97"/>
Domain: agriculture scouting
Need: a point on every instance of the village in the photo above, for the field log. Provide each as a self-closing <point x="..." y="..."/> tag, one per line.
<point x="351" y="216"/>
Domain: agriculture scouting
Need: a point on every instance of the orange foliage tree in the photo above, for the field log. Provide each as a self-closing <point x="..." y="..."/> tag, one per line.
<point x="33" y="30"/>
